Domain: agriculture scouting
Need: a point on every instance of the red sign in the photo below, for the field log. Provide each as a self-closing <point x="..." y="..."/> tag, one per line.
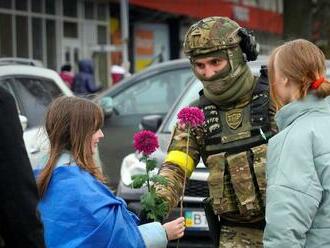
<point x="144" y="42"/>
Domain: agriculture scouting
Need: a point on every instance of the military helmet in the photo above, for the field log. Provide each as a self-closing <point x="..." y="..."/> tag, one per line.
<point x="211" y="34"/>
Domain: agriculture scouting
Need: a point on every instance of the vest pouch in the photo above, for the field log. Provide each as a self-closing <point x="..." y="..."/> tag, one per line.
<point x="222" y="202"/>
<point x="259" y="162"/>
<point x="242" y="181"/>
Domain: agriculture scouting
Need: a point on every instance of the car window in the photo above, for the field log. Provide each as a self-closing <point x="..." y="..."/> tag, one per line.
<point x="189" y="96"/>
<point x="7" y="85"/>
<point x="34" y="95"/>
<point x="152" y="95"/>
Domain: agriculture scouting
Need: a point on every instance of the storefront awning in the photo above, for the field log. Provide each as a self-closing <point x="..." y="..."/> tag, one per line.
<point x="249" y="17"/>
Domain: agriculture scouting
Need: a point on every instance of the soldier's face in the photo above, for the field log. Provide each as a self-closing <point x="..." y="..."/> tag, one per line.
<point x="209" y="66"/>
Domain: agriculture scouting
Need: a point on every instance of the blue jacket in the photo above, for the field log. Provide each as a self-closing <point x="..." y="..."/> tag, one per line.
<point x="298" y="177"/>
<point x="84" y="82"/>
<point x="79" y="211"/>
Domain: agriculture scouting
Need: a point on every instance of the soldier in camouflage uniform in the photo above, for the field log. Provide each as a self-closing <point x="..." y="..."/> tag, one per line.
<point x="232" y="142"/>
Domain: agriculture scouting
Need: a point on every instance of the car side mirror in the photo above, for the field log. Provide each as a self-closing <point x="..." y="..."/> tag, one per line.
<point x="24" y="121"/>
<point x="151" y="122"/>
<point x="106" y="104"/>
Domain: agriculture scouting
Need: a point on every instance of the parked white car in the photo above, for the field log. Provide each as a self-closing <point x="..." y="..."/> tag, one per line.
<point x="33" y="88"/>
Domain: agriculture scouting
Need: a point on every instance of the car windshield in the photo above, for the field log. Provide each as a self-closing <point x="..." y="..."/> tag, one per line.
<point x="32" y="95"/>
<point x="191" y="94"/>
<point x="154" y="94"/>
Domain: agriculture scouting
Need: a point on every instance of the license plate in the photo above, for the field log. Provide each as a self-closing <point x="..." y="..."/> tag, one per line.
<point x="196" y="220"/>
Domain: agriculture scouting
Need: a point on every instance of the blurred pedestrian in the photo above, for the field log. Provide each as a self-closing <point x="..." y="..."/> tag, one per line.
<point x="77" y="208"/>
<point x="84" y="81"/>
<point x="20" y="225"/>
<point x="117" y="73"/>
<point x="298" y="157"/>
<point x="67" y="75"/>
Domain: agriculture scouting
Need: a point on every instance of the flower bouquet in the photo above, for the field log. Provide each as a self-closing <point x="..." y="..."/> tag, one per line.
<point x="146" y="142"/>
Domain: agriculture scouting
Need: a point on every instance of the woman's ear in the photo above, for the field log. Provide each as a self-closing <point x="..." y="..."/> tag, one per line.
<point x="285" y="81"/>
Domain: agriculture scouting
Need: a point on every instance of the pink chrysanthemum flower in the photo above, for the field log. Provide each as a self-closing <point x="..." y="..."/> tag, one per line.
<point x="191" y="116"/>
<point x="146" y="142"/>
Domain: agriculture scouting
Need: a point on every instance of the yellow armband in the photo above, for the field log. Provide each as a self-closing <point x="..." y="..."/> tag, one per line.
<point x="184" y="161"/>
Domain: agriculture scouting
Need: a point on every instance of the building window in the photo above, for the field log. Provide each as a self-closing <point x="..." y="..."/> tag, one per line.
<point x="6" y="47"/>
<point x="70" y="29"/>
<point x="37" y="38"/>
<point x="21" y="5"/>
<point x="22" y="36"/>
<point x="50" y="7"/>
<point x="67" y="55"/>
<point x="275" y="6"/>
<point x="89" y="10"/>
<point x="102" y="11"/>
<point x="70" y="8"/>
<point x="252" y="3"/>
<point x="36" y="6"/>
<point x="101" y="34"/>
<point x="6" y="4"/>
<point x="51" y="44"/>
<point x="76" y="55"/>
<point x="280" y="6"/>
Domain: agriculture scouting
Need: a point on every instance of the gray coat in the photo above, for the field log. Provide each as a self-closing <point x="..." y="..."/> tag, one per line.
<point x="298" y="177"/>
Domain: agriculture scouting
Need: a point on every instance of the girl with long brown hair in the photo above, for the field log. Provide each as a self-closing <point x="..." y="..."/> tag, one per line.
<point x="298" y="157"/>
<point x="77" y="208"/>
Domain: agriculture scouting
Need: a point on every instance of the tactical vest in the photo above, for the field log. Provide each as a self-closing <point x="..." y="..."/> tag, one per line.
<point x="234" y="150"/>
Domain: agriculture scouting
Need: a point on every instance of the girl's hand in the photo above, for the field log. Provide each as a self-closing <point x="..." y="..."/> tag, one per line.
<point x="175" y="228"/>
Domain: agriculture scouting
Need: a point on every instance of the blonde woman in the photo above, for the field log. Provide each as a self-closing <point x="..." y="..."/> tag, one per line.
<point x="298" y="158"/>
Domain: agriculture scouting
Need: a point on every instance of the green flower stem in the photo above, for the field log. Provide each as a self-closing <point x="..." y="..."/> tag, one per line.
<point x="147" y="170"/>
<point x="148" y="180"/>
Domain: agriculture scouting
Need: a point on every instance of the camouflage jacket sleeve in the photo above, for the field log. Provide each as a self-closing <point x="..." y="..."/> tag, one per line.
<point x="177" y="165"/>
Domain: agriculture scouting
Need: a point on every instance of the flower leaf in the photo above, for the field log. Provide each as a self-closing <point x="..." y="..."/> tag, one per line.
<point x="155" y="207"/>
<point x="151" y="164"/>
<point x="159" y="179"/>
<point x="148" y="200"/>
<point x="139" y="180"/>
<point x="162" y="209"/>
